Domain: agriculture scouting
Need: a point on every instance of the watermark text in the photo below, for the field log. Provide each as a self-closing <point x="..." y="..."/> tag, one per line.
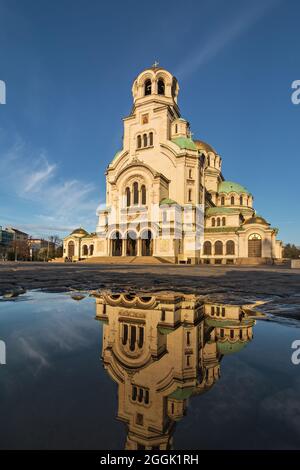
<point x="296" y="354"/>
<point x="296" y="94"/>
<point x="2" y="92"/>
<point x="2" y="353"/>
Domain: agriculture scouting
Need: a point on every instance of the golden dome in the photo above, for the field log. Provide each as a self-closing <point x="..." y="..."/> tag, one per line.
<point x="204" y="146"/>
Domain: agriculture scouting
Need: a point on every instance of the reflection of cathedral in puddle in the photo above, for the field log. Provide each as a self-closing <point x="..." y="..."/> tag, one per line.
<point x="161" y="349"/>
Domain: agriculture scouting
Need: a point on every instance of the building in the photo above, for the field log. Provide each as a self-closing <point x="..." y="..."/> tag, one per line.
<point x="166" y="196"/>
<point x="14" y="244"/>
<point x="17" y="235"/>
<point x="163" y="349"/>
<point x="6" y="239"/>
<point x="37" y="244"/>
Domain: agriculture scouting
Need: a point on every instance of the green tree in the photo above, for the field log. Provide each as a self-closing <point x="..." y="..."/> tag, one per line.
<point x="291" y="251"/>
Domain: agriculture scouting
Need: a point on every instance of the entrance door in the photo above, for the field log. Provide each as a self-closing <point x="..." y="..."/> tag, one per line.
<point x="71" y="249"/>
<point x="131" y="244"/>
<point x="116" y="248"/>
<point x="147" y="243"/>
<point x="254" y="246"/>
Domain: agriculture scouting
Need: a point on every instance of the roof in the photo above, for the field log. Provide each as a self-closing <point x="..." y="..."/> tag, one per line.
<point x="256" y="219"/>
<point x="231" y="187"/>
<point x="167" y="201"/>
<point x="181" y="393"/>
<point x="221" y="229"/>
<point x="204" y="146"/>
<point x="184" y="143"/>
<point x="227" y="347"/>
<point x="221" y="210"/>
<point x="79" y="231"/>
<point x="116" y="155"/>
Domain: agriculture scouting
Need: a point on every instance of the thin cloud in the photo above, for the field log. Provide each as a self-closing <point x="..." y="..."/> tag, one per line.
<point x="60" y="204"/>
<point x="39" y="176"/>
<point x="219" y="40"/>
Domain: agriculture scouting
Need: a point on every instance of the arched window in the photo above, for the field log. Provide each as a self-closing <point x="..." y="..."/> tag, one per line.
<point x="84" y="250"/>
<point x="135" y="193"/>
<point x="190" y="174"/>
<point x="161" y="87"/>
<point x="127" y="191"/>
<point x="222" y="201"/>
<point x="145" y="140"/>
<point x="139" y="141"/>
<point x="207" y="248"/>
<point x="232" y="200"/>
<point x="134" y="392"/>
<point x="176" y="128"/>
<point x="91" y="250"/>
<point x="230" y="248"/>
<point x="218" y="222"/>
<point x="213" y="222"/>
<point x="241" y="200"/>
<point x="148" y="87"/>
<point x="143" y="194"/>
<point x="218" y="248"/>
<point x="190" y="195"/>
<point x="223" y="221"/>
<point x="151" y="139"/>
<point x="208" y="161"/>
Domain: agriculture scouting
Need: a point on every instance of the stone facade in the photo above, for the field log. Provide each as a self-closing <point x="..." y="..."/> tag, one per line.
<point x="166" y="196"/>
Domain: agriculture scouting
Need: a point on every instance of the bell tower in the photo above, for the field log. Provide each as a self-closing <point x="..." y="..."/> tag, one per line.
<point x="155" y="85"/>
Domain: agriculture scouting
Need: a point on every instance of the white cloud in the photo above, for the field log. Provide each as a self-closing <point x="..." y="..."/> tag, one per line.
<point x="39" y="175"/>
<point x="60" y="204"/>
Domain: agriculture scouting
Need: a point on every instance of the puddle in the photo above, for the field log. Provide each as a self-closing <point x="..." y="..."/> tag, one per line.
<point x="160" y="370"/>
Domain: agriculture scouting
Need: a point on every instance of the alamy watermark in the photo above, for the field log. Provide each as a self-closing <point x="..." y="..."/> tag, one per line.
<point x="296" y="94"/>
<point x="2" y="92"/>
<point x="2" y="353"/>
<point x="296" y="354"/>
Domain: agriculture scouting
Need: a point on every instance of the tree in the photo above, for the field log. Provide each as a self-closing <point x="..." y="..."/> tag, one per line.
<point x="19" y="250"/>
<point x="291" y="251"/>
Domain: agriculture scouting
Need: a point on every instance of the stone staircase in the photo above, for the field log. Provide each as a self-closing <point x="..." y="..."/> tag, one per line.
<point x="253" y="261"/>
<point x="125" y="260"/>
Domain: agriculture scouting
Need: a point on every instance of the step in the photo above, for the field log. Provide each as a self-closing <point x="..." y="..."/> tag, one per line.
<point x="125" y="260"/>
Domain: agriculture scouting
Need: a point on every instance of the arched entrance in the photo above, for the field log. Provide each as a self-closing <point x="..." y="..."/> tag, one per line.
<point x="131" y="244"/>
<point x="147" y="243"/>
<point x="116" y="244"/>
<point x="84" y="250"/>
<point x="254" y="246"/>
<point x="71" y="249"/>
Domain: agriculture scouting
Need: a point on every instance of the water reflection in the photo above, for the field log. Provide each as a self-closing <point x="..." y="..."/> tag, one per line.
<point x="163" y="349"/>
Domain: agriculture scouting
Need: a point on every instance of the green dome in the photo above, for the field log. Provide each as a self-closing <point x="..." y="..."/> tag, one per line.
<point x="226" y="347"/>
<point x="184" y="143"/>
<point x="231" y="187"/>
<point x="167" y="201"/>
<point x="182" y="393"/>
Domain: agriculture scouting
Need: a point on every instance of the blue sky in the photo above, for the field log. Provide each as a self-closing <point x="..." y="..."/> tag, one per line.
<point x="68" y="66"/>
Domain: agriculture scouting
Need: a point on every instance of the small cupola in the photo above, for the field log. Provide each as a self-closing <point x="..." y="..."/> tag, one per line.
<point x="155" y="83"/>
<point x="180" y="128"/>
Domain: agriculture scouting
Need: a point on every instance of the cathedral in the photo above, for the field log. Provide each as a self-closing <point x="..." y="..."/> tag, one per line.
<point x="166" y="197"/>
<point x="162" y="349"/>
